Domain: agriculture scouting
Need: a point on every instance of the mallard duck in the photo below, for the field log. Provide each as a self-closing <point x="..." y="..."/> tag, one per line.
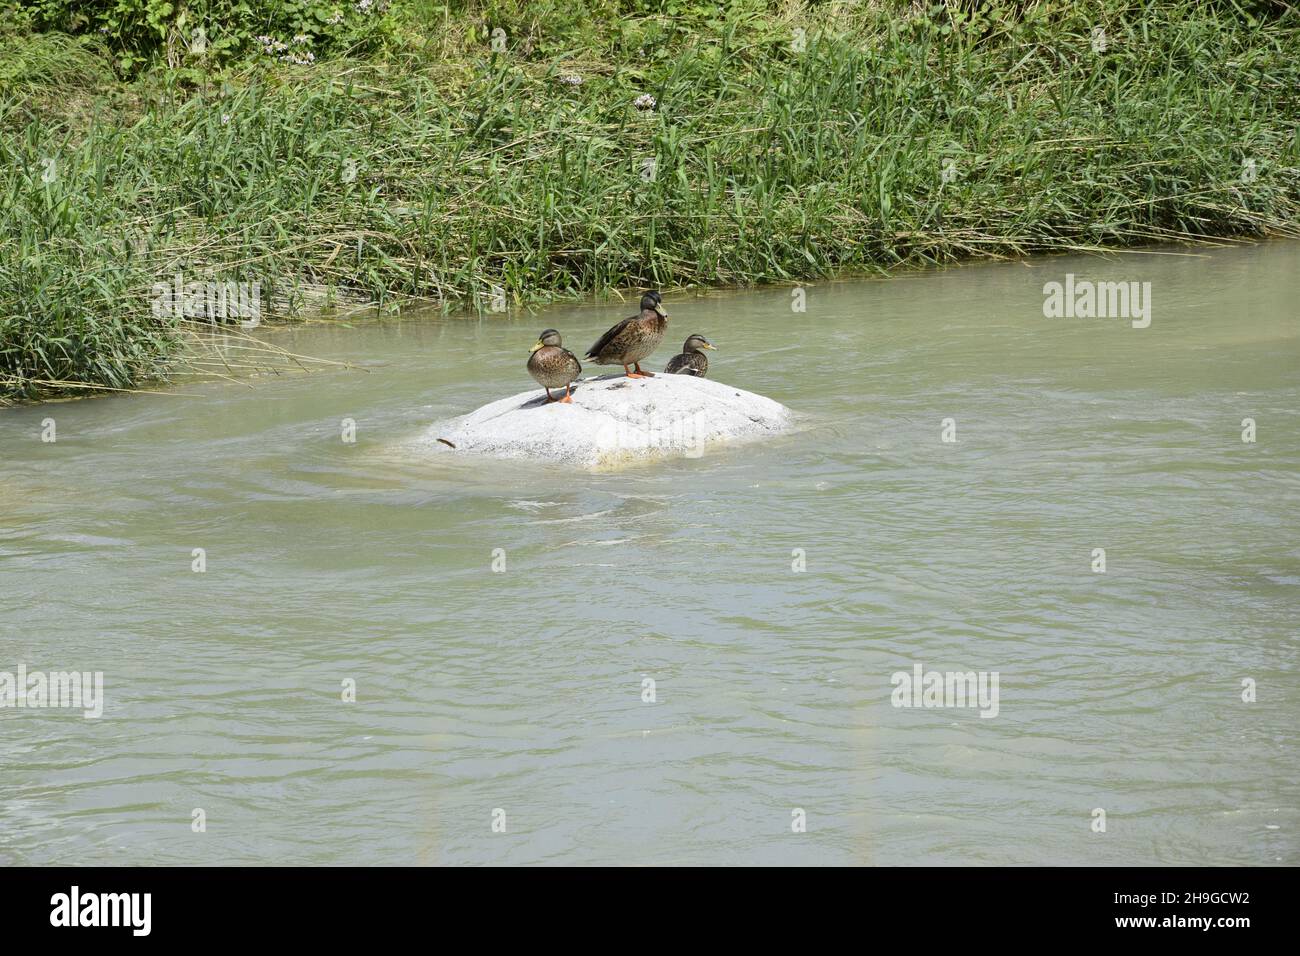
<point x="552" y="365"/>
<point x="634" y="338"/>
<point x="692" y="361"/>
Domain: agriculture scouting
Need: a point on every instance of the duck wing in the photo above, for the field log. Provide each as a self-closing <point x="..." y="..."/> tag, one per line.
<point x="577" y="366"/>
<point x="688" y="363"/>
<point x="603" y="342"/>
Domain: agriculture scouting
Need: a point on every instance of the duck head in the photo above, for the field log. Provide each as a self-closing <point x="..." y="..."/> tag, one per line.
<point x="548" y="337"/>
<point x="653" y="302"/>
<point x="697" y="342"/>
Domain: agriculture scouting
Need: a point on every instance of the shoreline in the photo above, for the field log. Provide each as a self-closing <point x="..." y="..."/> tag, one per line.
<point x="604" y="300"/>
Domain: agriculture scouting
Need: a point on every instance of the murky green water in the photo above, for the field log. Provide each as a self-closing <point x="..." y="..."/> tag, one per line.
<point x="523" y="691"/>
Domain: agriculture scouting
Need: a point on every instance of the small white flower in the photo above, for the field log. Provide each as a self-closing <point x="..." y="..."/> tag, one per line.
<point x="225" y="119"/>
<point x="570" y="79"/>
<point x="301" y="39"/>
<point x="644" y="102"/>
<point x="336" y="19"/>
<point x="363" y="6"/>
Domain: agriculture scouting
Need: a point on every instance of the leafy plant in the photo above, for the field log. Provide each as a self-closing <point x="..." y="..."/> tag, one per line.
<point x="210" y="34"/>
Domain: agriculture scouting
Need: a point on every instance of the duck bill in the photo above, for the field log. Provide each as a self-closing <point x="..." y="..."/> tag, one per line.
<point x="660" y="310"/>
<point x="535" y="347"/>
<point x="711" y="348"/>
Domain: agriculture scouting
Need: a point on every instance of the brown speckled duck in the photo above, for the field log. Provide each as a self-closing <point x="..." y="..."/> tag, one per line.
<point x="692" y="361"/>
<point x="634" y="338"/>
<point x="553" y="366"/>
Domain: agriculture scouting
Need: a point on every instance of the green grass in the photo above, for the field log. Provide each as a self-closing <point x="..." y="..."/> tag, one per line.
<point x="477" y="172"/>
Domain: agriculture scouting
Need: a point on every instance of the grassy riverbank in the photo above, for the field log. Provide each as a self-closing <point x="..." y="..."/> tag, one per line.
<point x="785" y="143"/>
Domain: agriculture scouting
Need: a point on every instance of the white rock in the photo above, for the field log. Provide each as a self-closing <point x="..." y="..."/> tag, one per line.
<point x="614" y="420"/>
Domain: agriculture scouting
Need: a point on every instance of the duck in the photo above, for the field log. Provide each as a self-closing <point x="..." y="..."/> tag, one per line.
<point x="633" y="339"/>
<point x="553" y="366"/>
<point x="692" y="361"/>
